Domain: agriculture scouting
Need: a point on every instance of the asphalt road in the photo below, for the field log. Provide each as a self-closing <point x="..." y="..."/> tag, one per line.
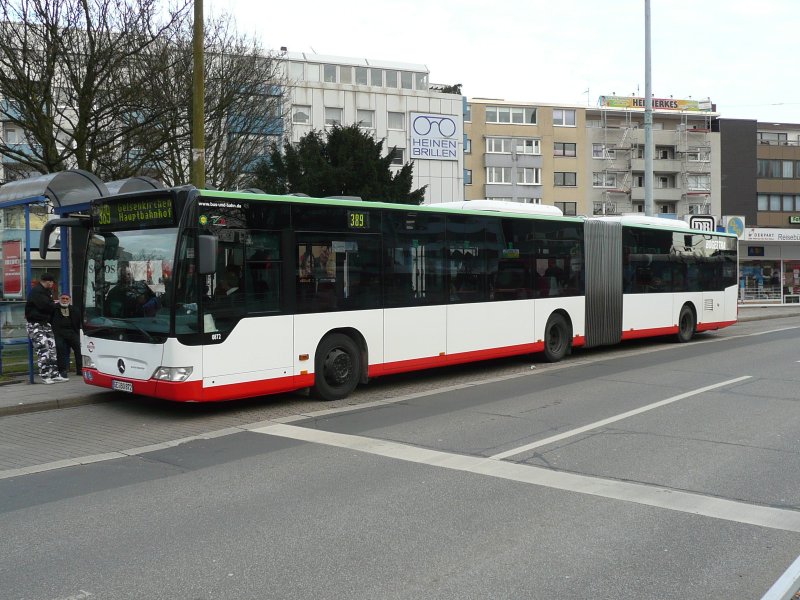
<point x="651" y="470"/>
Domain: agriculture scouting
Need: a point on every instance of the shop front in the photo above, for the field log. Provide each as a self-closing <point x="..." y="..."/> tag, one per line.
<point x="769" y="266"/>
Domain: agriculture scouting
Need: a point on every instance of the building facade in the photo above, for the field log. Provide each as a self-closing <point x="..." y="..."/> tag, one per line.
<point x="761" y="204"/>
<point x="590" y="160"/>
<point x="394" y="102"/>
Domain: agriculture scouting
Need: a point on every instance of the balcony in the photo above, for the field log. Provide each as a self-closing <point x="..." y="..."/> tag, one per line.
<point x="660" y="165"/>
<point x="659" y="194"/>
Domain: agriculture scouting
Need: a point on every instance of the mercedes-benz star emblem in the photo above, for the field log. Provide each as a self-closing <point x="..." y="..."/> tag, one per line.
<point x="121" y="366"/>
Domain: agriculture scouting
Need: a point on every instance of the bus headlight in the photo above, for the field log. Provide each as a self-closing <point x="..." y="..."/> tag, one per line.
<point x="172" y="373"/>
<point x="87" y="362"/>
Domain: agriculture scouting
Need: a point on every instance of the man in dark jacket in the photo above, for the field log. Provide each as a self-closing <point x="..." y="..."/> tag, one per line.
<point x="67" y="331"/>
<point x="39" y="310"/>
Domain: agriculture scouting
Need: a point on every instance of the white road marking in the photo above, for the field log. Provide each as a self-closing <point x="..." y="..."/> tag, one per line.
<point x="614" y="419"/>
<point x="786" y="586"/>
<point x="660" y="497"/>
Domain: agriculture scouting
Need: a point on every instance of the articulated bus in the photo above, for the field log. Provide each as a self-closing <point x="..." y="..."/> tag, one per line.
<point x="198" y="295"/>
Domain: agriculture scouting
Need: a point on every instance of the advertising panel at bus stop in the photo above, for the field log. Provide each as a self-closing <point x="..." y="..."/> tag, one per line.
<point x="12" y="269"/>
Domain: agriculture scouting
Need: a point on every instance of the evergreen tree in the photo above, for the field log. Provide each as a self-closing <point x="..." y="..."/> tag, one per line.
<point x="344" y="161"/>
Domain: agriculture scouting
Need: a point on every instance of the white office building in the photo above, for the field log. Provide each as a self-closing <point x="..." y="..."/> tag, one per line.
<point x="393" y="101"/>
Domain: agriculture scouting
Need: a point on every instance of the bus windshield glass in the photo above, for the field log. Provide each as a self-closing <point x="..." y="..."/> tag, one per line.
<point x="128" y="284"/>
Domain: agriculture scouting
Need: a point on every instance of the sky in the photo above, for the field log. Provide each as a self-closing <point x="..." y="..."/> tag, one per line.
<point x="738" y="53"/>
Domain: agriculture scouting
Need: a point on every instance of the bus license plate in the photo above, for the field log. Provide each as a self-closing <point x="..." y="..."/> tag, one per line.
<point x="122" y="386"/>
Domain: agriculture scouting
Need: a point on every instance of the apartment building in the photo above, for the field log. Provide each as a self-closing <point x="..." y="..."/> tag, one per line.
<point x="761" y="204"/>
<point x="590" y="160"/>
<point x="393" y="101"/>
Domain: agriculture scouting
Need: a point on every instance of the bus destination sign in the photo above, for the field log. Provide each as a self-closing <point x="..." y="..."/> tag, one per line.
<point x="134" y="213"/>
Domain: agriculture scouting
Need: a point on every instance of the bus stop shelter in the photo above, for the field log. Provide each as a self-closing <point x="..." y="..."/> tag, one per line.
<point x="67" y="193"/>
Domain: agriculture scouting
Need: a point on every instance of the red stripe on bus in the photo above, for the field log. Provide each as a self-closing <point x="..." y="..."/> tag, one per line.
<point x="193" y="391"/>
<point x="716" y="325"/>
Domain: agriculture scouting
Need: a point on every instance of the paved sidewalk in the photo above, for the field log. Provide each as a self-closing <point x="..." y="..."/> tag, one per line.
<point x="22" y="397"/>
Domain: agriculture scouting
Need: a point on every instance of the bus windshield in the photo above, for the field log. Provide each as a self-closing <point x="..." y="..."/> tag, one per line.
<point x="129" y="283"/>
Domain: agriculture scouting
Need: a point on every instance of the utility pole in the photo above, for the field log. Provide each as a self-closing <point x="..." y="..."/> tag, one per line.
<point x="648" y="117"/>
<point x="198" y="169"/>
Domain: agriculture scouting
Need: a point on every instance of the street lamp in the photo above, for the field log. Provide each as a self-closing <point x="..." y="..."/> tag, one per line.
<point x="198" y="168"/>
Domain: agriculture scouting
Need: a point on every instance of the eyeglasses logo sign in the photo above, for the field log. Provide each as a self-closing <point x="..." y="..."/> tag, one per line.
<point x="434" y="137"/>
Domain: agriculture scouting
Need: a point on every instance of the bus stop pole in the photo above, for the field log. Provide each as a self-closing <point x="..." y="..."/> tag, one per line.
<point x="28" y="281"/>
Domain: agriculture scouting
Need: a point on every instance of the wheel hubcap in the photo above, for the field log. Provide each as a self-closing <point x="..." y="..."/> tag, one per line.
<point x="338" y="366"/>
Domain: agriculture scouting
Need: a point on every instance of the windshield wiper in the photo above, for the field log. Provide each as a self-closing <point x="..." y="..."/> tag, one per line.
<point x="92" y="330"/>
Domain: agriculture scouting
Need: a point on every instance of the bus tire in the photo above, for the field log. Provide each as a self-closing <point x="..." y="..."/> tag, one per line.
<point x="557" y="338"/>
<point x="686" y="324"/>
<point x="337" y="367"/>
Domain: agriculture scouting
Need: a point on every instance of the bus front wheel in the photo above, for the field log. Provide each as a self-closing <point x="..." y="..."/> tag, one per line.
<point x="337" y="367"/>
<point x="556" y="338"/>
<point x="686" y="324"/>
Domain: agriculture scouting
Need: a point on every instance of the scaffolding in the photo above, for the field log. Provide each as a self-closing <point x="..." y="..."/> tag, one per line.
<point x="619" y="140"/>
<point x="694" y="147"/>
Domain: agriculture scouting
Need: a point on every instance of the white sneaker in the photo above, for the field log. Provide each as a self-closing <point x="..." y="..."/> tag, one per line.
<point x="47" y="381"/>
<point x="58" y="379"/>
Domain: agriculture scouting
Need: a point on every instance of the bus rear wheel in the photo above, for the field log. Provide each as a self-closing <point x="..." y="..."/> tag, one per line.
<point x="337" y="367"/>
<point x="556" y="338"/>
<point x="686" y="324"/>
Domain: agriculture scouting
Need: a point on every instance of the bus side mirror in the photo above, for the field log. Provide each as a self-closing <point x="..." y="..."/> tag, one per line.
<point x="207" y="261"/>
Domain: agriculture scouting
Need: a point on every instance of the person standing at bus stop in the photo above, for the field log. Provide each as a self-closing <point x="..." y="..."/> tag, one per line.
<point x="39" y="310"/>
<point x="67" y="331"/>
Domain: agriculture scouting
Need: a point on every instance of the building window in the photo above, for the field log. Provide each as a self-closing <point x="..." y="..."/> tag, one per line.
<point x="665" y="182"/>
<point x="529" y="176"/>
<point x="391" y="78"/>
<point x="778" y="203"/>
<point x="296" y="71"/>
<point x="511" y="114"/>
<point x="333" y="116"/>
<point x="345" y="74"/>
<point x="699" y="156"/>
<point x="698" y="182"/>
<point x="421" y="81"/>
<point x="564" y="149"/>
<point x="667" y="208"/>
<point x="406" y="80"/>
<point x="301" y="114"/>
<point x="772" y="137"/>
<point x="769" y="168"/>
<point x="362" y="76"/>
<point x="312" y="72"/>
<point x="398" y="157"/>
<point x="563" y="117"/>
<point x="600" y="151"/>
<point x="467" y="176"/>
<point x="329" y="73"/>
<point x="468" y="112"/>
<point x="529" y="200"/>
<point x="498" y="145"/>
<point x="665" y="152"/>
<point x="396" y="120"/>
<point x="498" y="174"/>
<point x="376" y="77"/>
<point x="467" y="146"/>
<point x="366" y="118"/>
<point x="528" y="146"/>
<point x="604" y="180"/>
<point x="568" y="208"/>
<point x="565" y="179"/>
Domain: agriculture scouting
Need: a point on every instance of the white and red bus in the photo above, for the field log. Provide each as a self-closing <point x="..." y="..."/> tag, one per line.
<point x="197" y="295"/>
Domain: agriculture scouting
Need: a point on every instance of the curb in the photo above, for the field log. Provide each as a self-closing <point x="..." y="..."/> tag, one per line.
<point x="30" y="407"/>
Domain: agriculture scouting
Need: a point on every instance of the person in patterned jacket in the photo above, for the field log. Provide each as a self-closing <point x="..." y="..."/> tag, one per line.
<point x="39" y="310"/>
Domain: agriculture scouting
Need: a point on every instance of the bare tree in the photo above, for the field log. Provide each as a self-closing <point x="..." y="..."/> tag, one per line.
<point x="105" y="86"/>
<point x="71" y="77"/>
<point x="243" y="105"/>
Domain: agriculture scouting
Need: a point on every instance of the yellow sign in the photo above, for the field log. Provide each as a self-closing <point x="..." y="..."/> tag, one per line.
<point x="658" y="103"/>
